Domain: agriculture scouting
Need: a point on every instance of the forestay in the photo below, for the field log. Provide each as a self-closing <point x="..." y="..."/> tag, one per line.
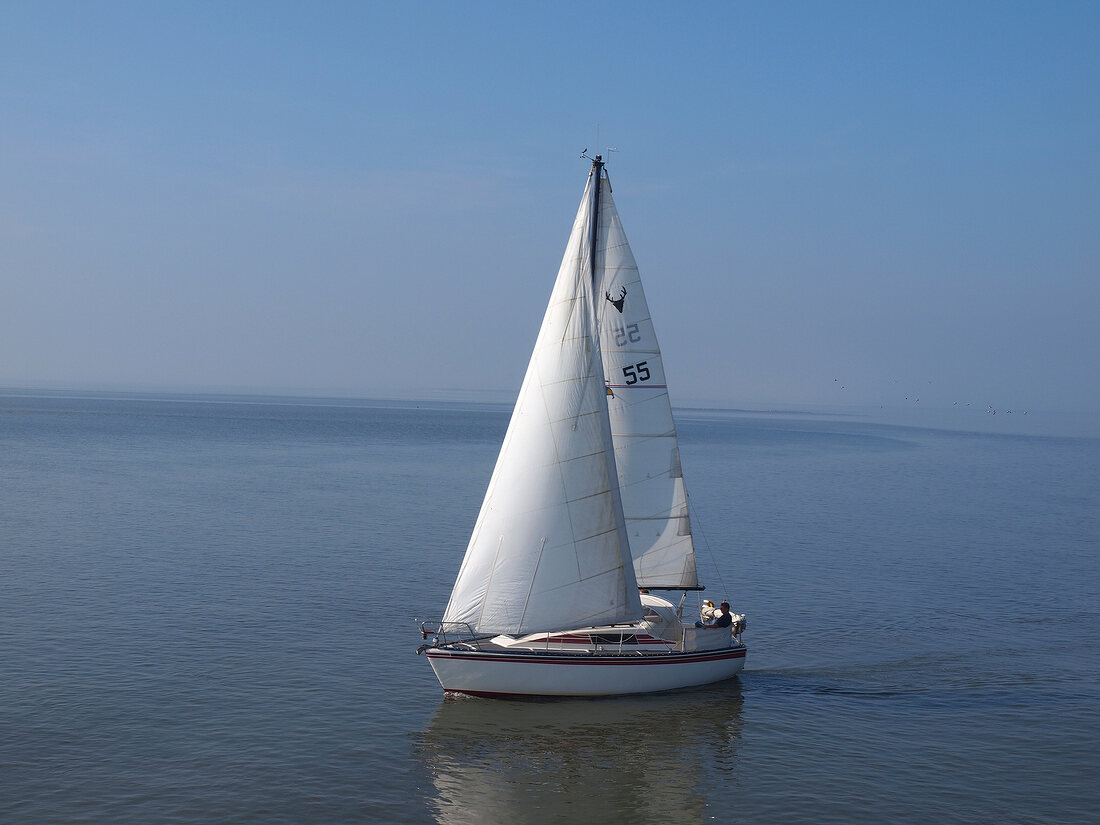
<point x="549" y="550"/>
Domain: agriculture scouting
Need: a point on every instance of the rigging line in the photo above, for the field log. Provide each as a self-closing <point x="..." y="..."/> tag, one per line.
<point x="706" y="543"/>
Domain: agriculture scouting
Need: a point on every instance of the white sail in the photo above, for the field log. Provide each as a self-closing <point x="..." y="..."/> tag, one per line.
<point x="647" y="453"/>
<point x="549" y="550"/>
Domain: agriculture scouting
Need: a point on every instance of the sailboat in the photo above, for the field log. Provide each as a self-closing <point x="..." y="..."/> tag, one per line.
<point x="586" y="512"/>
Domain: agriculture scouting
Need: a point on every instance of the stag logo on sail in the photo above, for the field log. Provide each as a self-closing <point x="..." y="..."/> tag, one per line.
<point x="618" y="304"/>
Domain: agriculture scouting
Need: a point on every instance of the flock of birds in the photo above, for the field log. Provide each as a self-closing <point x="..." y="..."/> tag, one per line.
<point x="914" y="399"/>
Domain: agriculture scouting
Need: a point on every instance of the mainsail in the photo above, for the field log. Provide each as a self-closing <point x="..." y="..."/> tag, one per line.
<point x="647" y="452"/>
<point x="550" y="550"/>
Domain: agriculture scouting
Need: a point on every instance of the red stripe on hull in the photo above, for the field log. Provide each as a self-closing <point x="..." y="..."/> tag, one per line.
<point x="593" y="661"/>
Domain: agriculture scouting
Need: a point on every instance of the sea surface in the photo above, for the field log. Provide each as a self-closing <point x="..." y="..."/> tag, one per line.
<point x="207" y="616"/>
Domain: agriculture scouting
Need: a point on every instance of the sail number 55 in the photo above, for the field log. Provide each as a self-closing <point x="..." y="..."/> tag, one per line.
<point x="636" y="372"/>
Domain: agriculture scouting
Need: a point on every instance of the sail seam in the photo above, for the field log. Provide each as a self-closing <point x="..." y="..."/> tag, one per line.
<point x="534" y="577"/>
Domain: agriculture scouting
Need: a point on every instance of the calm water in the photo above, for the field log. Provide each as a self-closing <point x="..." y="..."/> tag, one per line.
<point x="206" y="617"/>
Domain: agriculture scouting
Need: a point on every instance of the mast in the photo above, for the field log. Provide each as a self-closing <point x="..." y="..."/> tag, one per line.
<point x="595" y="279"/>
<point x="594" y="217"/>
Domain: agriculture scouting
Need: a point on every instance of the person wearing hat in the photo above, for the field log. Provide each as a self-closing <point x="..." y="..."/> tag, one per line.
<point x="725" y="618"/>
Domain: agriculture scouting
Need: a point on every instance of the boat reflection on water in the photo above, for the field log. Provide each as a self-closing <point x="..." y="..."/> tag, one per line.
<point x="633" y="759"/>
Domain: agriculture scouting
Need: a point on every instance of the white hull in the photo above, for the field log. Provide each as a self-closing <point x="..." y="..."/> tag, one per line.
<point x="527" y="673"/>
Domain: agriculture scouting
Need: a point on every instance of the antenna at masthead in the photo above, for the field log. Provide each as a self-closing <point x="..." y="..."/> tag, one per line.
<point x="595" y="160"/>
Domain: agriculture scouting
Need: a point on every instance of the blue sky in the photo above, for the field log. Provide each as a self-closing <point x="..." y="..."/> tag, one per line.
<point x="372" y="199"/>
